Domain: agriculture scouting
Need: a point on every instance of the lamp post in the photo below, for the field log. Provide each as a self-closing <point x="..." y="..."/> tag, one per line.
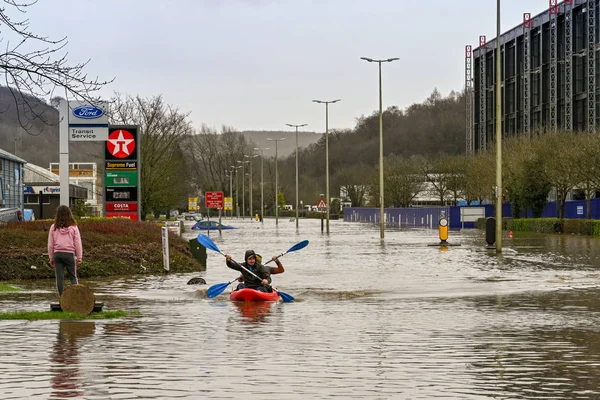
<point x="296" y="126"/>
<point x="498" y="135"/>
<point x="381" y="199"/>
<point x="276" y="192"/>
<point x="250" y="160"/>
<point x="327" y="153"/>
<point x="230" y="175"/>
<point x="262" y="184"/>
<point x="237" y="193"/>
<point x="243" y="188"/>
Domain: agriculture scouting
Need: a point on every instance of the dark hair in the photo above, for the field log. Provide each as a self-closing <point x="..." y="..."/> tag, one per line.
<point x="64" y="217"/>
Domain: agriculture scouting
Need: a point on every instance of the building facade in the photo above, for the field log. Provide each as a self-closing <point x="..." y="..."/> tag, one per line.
<point x="42" y="191"/>
<point x="85" y="174"/>
<point x="549" y="72"/>
<point x="11" y="180"/>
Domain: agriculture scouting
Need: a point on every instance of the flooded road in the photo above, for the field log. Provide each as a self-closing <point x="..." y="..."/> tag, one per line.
<point x="378" y="321"/>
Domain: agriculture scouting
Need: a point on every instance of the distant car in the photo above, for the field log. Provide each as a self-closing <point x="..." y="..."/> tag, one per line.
<point x="209" y="225"/>
<point x="10" y="215"/>
<point x="192" y="217"/>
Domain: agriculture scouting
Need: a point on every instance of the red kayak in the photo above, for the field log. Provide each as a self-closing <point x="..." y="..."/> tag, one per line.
<point x="250" y="295"/>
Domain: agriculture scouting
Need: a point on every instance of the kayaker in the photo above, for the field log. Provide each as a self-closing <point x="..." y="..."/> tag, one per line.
<point x="264" y="272"/>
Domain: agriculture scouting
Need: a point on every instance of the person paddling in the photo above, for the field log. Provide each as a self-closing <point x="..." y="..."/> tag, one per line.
<point x="262" y="271"/>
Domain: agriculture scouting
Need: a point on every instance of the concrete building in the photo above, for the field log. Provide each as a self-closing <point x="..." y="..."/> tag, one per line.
<point x="11" y="180"/>
<point x="42" y="191"/>
<point x="550" y="77"/>
<point x="85" y="174"/>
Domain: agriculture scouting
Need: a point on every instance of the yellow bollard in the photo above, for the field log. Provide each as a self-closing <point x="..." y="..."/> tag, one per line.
<point x="443" y="226"/>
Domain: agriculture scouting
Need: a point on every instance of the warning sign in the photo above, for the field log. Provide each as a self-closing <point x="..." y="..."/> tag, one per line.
<point x="322" y="204"/>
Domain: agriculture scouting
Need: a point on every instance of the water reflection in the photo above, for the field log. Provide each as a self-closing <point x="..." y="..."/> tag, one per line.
<point x="66" y="379"/>
<point x="254" y="312"/>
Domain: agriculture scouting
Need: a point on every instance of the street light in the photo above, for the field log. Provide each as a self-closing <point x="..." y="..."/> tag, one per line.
<point x="276" y="193"/>
<point x="237" y="193"/>
<point x="251" y="157"/>
<point x="498" y="135"/>
<point x="262" y="184"/>
<point x="296" y="126"/>
<point x="243" y="188"/>
<point x="327" y="152"/>
<point x="381" y="206"/>
<point x="230" y="175"/>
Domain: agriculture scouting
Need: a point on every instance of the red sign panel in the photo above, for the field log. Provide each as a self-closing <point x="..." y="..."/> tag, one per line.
<point x="128" y="215"/>
<point x="213" y="200"/>
<point x="322" y="204"/>
<point x="121" y="206"/>
<point x="527" y="20"/>
<point x="482" y="41"/>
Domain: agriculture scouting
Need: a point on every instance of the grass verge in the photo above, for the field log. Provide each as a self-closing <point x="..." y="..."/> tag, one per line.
<point x="8" y="288"/>
<point x="41" y="315"/>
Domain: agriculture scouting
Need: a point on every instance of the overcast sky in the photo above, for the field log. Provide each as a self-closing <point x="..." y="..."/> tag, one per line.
<point x="257" y="64"/>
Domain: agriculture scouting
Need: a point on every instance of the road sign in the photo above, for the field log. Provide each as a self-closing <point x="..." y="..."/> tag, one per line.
<point x="228" y="203"/>
<point x="192" y="203"/>
<point x="213" y="199"/>
<point x="322" y="204"/>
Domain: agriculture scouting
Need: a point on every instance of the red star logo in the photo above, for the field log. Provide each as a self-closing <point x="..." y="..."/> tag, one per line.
<point x="120" y="143"/>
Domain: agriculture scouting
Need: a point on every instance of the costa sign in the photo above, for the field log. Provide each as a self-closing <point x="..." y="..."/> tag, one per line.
<point x="131" y="206"/>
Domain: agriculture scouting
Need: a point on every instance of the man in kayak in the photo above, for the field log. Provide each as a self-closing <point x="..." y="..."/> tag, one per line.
<point x="262" y="271"/>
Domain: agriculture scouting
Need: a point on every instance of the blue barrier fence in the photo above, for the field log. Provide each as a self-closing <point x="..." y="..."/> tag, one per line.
<point x="427" y="217"/>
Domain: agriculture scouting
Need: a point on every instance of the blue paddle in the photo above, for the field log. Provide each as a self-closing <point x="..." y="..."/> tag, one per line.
<point x="297" y="246"/>
<point x="215" y="290"/>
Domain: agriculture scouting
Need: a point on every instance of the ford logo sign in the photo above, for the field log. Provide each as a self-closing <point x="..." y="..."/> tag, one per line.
<point x="88" y="112"/>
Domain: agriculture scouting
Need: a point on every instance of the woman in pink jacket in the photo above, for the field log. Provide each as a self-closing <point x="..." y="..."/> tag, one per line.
<point x="64" y="247"/>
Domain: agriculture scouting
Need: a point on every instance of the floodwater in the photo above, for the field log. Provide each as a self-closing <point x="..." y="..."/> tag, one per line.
<point x="400" y="320"/>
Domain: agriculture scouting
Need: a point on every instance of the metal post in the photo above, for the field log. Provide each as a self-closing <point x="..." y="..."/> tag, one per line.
<point x="297" y="224"/>
<point x="276" y="181"/>
<point x="63" y="146"/>
<point x="276" y="189"/>
<point x="498" y="137"/>
<point x="381" y="172"/>
<point x="231" y="189"/>
<point x="251" y="184"/>
<point x="327" y="199"/>
<point x="296" y="126"/>
<point x="381" y="195"/>
<point x="262" y="186"/>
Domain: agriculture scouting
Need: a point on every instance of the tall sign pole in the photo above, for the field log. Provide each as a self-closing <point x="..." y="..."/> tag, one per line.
<point x="63" y="165"/>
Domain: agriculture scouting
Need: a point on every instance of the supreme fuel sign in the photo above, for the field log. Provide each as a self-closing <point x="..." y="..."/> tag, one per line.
<point x="122" y="192"/>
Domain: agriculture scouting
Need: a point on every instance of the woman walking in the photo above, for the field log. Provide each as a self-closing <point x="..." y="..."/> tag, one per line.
<point x="64" y="247"/>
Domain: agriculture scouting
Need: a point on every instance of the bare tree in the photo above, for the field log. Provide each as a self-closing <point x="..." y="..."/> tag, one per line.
<point x="212" y="153"/>
<point x="34" y="66"/>
<point x="164" y="183"/>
